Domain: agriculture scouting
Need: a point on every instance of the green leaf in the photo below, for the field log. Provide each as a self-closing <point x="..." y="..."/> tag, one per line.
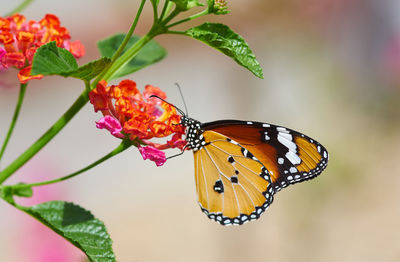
<point x="77" y="225"/>
<point x="222" y="38"/>
<point x="151" y="53"/>
<point x="90" y="70"/>
<point x="186" y="4"/>
<point x="50" y="59"/>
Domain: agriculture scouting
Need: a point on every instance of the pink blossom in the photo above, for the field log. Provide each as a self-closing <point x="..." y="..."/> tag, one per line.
<point x="152" y="153"/>
<point x="2" y="54"/>
<point x="111" y="124"/>
<point x="38" y="242"/>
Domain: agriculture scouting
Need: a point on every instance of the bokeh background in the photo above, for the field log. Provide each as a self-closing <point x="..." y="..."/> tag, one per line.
<point x="332" y="71"/>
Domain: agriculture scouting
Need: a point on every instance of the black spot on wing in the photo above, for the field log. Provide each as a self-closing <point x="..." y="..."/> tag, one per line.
<point x="219" y="186"/>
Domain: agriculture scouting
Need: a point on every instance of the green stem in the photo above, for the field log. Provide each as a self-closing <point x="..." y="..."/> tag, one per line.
<point x="19" y="8"/>
<point x="87" y="86"/>
<point x="155" y="12"/>
<point x="171" y="16"/>
<point x="128" y="55"/>
<point x="122" y="46"/>
<point x="21" y="96"/>
<point x="166" y="8"/>
<point x="125" y="144"/>
<point x="176" y="32"/>
<point x="45" y="138"/>
<point x="204" y="12"/>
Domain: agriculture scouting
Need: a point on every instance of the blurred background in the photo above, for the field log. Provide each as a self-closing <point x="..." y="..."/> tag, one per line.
<point x="332" y="71"/>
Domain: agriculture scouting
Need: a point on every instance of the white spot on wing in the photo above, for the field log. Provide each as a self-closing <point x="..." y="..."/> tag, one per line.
<point x="234" y="142"/>
<point x="293" y="170"/>
<point x="286" y="140"/>
<point x="293" y="158"/>
<point x="281" y="129"/>
<point x="245" y="152"/>
<point x="280" y="160"/>
<point x="265" y="125"/>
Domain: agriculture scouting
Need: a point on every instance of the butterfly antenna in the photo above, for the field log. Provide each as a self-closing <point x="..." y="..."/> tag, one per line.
<point x="183" y="151"/>
<point x="179" y="110"/>
<point x="183" y="99"/>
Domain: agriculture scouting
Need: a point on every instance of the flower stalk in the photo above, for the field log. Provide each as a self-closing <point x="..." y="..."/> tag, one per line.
<point x="125" y="144"/>
<point x="21" y="96"/>
<point x="45" y="138"/>
<point x="19" y="8"/>
<point x="122" y="46"/>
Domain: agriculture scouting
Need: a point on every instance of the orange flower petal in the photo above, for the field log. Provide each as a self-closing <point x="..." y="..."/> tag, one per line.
<point x="77" y="49"/>
<point x="24" y="75"/>
<point x="160" y="129"/>
<point x="98" y="97"/>
<point x="137" y="128"/>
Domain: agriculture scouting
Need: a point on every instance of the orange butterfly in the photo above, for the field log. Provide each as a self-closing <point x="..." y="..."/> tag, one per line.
<point x="240" y="165"/>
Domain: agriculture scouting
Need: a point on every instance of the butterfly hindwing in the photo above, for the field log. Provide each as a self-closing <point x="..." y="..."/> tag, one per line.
<point x="289" y="156"/>
<point x="233" y="186"/>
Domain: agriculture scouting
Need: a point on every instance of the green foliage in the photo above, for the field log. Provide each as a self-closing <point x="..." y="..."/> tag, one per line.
<point x="50" y="59"/>
<point x="222" y="38"/>
<point x="155" y="2"/>
<point x="151" y="53"/>
<point x="77" y="225"/>
<point x="24" y="191"/>
<point x="184" y="5"/>
<point x="217" y="7"/>
<point x="8" y="192"/>
<point x="90" y="70"/>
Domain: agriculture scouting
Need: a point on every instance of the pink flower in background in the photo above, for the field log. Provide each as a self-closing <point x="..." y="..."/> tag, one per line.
<point x="391" y="59"/>
<point x="153" y="154"/>
<point x="35" y="242"/>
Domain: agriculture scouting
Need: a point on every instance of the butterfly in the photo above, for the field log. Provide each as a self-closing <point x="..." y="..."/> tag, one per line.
<point x="240" y="165"/>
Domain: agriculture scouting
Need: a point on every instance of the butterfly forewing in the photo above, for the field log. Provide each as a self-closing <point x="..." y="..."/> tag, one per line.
<point x="289" y="156"/>
<point x="233" y="186"/>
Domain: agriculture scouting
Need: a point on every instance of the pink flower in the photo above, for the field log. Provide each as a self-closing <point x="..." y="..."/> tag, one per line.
<point x="2" y="54"/>
<point x="152" y="153"/>
<point x="111" y="124"/>
<point x="38" y="242"/>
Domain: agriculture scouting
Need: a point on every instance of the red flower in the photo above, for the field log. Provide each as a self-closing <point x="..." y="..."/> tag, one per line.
<point x="139" y="115"/>
<point x="21" y="38"/>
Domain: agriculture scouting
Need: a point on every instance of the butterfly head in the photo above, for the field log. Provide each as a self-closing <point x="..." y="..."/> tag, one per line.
<point x="194" y="133"/>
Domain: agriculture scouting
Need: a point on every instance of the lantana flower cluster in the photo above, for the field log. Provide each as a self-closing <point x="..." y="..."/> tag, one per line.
<point x="19" y="40"/>
<point x="129" y="114"/>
